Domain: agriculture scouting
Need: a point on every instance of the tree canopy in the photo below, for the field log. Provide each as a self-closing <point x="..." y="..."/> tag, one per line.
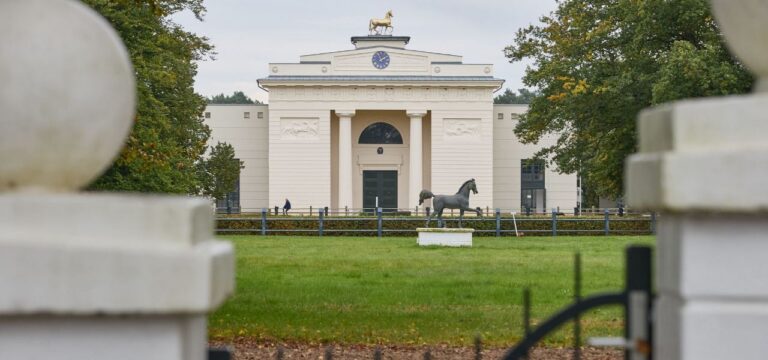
<point x="597" y="63"/>
<point x="168" y="137"/>
<point x="238" y="97"/>
<point x="523" y="96"/>
<point x="220" y="171"/>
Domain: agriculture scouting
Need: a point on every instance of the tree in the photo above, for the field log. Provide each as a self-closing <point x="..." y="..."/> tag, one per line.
<point x="597" y="63"/>
<point x="238" y="97"/>
<point x="168" y="137"/>
<point x="219" y="172"/>
<point x="510" y="97"/>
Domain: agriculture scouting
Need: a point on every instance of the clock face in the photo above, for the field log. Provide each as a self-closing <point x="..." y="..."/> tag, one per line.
<point x="380" y="59"/>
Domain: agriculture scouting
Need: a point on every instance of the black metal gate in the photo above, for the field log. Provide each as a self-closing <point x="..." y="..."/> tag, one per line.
<point x="636" y="300"/>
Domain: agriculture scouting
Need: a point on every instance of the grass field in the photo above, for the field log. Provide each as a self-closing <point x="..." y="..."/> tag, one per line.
<point x="350" y="290"/>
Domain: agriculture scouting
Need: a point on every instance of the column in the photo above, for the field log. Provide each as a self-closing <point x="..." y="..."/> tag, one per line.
<point x="345" y="158"/>
<point x="701" y="164"/>
<point x="415" y="183"/>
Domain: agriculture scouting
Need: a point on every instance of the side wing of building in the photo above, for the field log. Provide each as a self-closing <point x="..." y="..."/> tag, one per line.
<point x="246" y="128"/>
<point x="517" y="180"/>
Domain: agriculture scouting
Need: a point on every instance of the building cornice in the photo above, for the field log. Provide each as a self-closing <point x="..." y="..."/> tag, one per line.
<point x="356" y="39"/>
<point x="364" y="80"/>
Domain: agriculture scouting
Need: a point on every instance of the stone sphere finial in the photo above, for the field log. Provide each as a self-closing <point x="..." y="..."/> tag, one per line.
<point x="67" y="95"/>
<point x="744" y="24"/>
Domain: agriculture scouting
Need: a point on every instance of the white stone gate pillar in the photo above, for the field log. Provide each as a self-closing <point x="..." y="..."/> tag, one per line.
<point x="345" y="159"/>
<point x="89" y="276"/>
<point x="704" y="165"/>
<point x="415" y="183"/>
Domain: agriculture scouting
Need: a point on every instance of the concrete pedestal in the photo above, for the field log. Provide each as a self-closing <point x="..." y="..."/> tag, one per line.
<point x="445" y="237"/>
<point x="96" y="276"/>
<point x="87" y="276"/>
<point x="701" y="164"/>
<point x="106" y="337"/>
<point x="713" y="296"/>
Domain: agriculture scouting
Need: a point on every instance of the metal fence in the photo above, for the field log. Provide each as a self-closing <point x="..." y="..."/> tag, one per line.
<point x="424" y="211"/>
<point x="381" y="222"/>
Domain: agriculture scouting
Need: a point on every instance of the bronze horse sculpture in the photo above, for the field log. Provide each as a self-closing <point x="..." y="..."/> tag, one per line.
<point x="458" y="201"/>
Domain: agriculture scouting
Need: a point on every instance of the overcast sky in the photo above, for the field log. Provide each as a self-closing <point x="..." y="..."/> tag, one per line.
<point x="250" y="34"/>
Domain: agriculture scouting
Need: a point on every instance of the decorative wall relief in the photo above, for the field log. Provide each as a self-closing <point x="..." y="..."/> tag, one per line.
<point x="462" y="128"/>
<point x="299" y="128"/>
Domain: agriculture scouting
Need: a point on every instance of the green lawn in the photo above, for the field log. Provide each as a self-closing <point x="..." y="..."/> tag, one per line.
<point x="391" y="291"/>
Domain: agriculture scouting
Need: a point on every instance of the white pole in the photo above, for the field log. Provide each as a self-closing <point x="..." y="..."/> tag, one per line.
<point x="377" y="202"/>
<point x="515" y="222"/>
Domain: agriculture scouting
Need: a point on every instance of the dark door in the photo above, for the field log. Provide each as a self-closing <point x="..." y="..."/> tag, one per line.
<point x="381" y="183"/>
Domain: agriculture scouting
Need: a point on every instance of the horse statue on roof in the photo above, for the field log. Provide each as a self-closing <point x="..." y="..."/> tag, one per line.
<point x="386" y="23"/>
<point x="458" y="201"/>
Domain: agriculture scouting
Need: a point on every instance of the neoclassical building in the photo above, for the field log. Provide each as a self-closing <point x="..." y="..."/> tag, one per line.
<point x="377" y="124"/>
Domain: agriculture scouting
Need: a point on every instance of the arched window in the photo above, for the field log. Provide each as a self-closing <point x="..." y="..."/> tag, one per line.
<point x="380" y="133"/>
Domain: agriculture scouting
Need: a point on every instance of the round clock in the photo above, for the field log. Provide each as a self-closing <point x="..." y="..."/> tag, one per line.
<point x="380" y="59"/>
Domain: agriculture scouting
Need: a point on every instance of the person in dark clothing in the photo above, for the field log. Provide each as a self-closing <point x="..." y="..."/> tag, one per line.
<point x="286" y="207"/>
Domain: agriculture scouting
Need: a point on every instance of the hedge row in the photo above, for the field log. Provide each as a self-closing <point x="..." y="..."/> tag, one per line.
<point x="399" y="227"/>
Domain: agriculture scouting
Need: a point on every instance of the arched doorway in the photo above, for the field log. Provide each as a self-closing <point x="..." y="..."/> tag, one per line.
<point x="380" y="186"/>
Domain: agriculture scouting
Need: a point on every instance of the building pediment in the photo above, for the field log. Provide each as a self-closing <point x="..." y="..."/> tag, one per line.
<point x="360" y="65"/>
<point x="400" y="61"/>
<point x="427" y="55"/>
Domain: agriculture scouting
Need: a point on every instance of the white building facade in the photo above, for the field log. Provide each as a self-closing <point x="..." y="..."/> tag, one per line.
<point x="375" y="125"/>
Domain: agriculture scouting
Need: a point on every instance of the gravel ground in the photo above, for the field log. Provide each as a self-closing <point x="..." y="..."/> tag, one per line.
<point x="246" y="349"/>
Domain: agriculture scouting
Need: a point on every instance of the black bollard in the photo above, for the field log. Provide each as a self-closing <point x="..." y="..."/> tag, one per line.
<point x="478" y="347"/>
<point x="280" y="352"/>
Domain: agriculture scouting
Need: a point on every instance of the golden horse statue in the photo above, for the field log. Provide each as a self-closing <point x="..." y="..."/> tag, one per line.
<point x="375" y="24"/>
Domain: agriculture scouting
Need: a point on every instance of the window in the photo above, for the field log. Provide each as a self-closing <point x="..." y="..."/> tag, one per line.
<point x="380" y="133"/>
<point x="259" y="115"/>
<point x="207" y="115"/>
<point x="532" y="173"/>
<point x="231" y="201"/>
<point x="500" y="116"/>
<point x="514" y="116"/>
<point x="533" y="194"/>
<point x="246" y="115"/>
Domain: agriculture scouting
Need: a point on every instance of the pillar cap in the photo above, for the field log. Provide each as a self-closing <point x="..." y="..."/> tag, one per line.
<point x="345" y="113"/>
<point x="111" y="254"/>
<point x="739" y="22"/>
<point x="416" y="113"/>
<point x="704" y="155"/>
<point x="68" y="101"/>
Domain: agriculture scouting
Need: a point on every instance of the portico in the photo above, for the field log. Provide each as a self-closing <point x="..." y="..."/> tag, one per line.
<point x="379" y="121"/>
<point x="373" y="141"/>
